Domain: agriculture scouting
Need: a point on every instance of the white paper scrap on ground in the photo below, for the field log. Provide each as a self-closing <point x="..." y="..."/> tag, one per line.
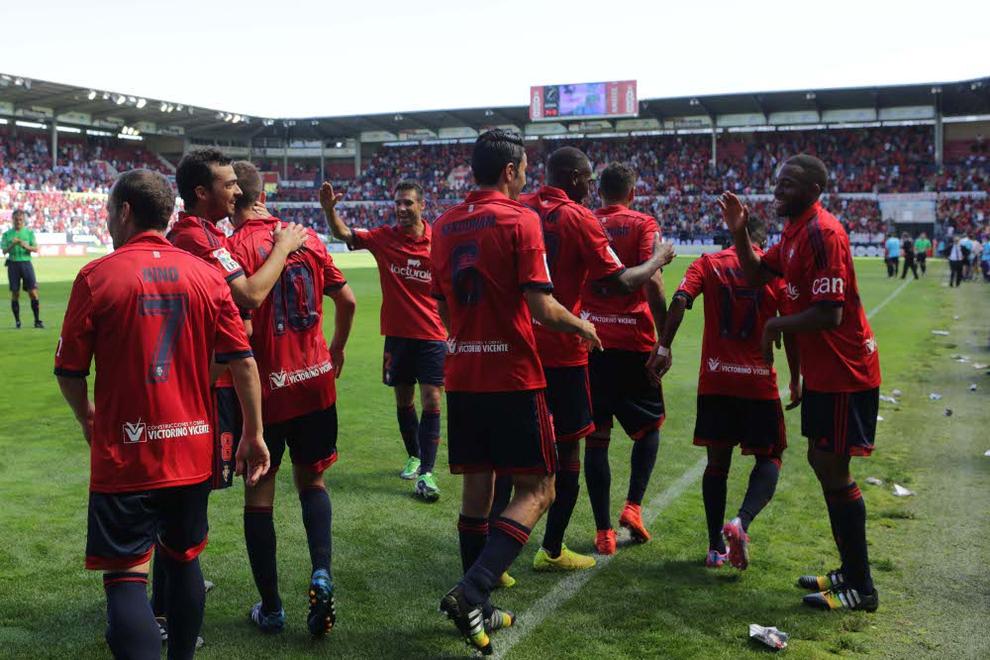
<point x="901" y="491"/>
<point x="769" y="635"/>
<point x="941" y="333"/>
<point x="934" y="396"/>
<point x="874" y="481"/>
<point x="896" y="392"/>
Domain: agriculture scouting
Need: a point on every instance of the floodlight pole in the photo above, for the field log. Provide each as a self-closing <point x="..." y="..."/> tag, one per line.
<point x="323" y="149"/>
<point x="54" y="136"/>
<point x="714" y="146"/>
<point x="939" y="130"/>
<point x="357" y="156"/>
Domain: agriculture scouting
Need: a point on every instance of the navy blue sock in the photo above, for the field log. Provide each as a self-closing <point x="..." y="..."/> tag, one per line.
<point x="598" y="477"/>
<point x="15" y="307"/>
<point x="851" y="523"/>
<point x="472" y="534"/>
<point x="317" y="518"/>
<point x="644" y="457"/>
<point x="186" y="604"/>
<point x="762" y="484"/>
<point x="159" y="602"/>
<point x="559" y="515"/>
<point x="409" y="428"/>
<point x="503" y="494"/>
<point x="131" y="629"/>
<point x="713" y="488"/>
<point x="35" y="308"/>
<point x="428" y="440"/>
<point x="259" y="537"/>
<point x="505" y="540"/>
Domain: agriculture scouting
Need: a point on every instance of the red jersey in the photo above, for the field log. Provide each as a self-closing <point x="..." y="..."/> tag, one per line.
<point x="152" y="315"/>
<point x="485" y="251"/>
<point x="297" y="375"/>
<point x="623" y="322"/>
<point x="408" y="309"/>
<point x="205" y="240"/>
<point x="732" y="363"/>
<point x="577" y="251"/>
<point x="814" y="258"/>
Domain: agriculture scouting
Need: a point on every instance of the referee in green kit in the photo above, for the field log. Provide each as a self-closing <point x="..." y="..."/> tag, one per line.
<point x="18" y="244"/>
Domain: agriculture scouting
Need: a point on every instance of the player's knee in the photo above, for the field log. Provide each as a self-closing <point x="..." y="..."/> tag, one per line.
<point x="33" y="293"/>
<point x="305" y="477"/>
<point x="261" y="494"/>
<point x="15" y="295"/>
<point x="430" y="396"/>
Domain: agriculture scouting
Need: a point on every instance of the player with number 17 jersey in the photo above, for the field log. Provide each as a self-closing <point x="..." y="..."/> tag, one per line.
<point x="297" y="373"/>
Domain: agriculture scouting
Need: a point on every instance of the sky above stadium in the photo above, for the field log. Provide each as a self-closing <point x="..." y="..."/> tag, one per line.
<point x="298" y="58"/>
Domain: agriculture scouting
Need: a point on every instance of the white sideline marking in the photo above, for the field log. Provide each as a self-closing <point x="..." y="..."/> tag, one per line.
<point x="564" y="590"/>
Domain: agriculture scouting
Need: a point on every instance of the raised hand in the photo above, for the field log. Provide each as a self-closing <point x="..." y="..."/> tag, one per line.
<point x="734" y="212"/>
<point x="328" y="198"/>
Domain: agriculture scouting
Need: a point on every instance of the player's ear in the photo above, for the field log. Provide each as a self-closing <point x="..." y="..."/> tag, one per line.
<point x="262" y="197"/>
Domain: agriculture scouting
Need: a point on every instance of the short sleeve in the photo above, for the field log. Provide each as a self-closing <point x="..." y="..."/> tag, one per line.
<point x="693" y="282"/>
<point x="195" y="242"/>
<point x="75" y="345"/>
<point x="828" y="273"/>
<point x="333" y="279"/>
<point x="435" y="291"/>
<point x="363" y="239"/>
<point x="532" y="269"/>
<point x="34" y="241"/>
<point x="771" y="260"/>
<point x="231" y="340"/>
<point x="648" y="230"/>
<point x="601" y="260"/>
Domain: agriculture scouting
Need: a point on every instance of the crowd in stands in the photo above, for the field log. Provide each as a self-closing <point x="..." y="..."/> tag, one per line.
<point x="676" y="183"/>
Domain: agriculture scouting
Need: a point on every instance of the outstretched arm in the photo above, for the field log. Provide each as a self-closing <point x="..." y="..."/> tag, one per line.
<point x="551" y="314"/>
<point x="250" y="292"/>
<point x="632" y="278"/>
<point x="736" y="215"/>
<point x="328" y="200"/>
<point x="662" y="359"/>
<point x="822" y="316"/>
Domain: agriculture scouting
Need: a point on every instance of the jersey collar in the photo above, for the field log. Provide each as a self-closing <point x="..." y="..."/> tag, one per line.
<point x="149" y="237"/>
<point x="611" y="209"/>
<point x="795" y="223"/>
<point x="427" y="230"/>
<point x="476" y="196"/>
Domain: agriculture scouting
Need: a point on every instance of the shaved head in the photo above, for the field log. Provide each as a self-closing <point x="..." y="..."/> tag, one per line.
<point x="570" y="170"/>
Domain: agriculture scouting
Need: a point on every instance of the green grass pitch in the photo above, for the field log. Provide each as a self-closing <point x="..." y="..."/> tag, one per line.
<point x="395" y="556"/>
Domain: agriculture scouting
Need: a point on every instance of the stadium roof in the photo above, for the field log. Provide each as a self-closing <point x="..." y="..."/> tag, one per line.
<point x="970" y="97"/>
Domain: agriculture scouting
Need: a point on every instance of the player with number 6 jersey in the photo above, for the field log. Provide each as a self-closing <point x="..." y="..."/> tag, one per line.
<point x="299" y="397"/>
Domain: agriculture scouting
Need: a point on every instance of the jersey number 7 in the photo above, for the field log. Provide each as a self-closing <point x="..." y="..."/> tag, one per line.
<point x="173" y="307"/>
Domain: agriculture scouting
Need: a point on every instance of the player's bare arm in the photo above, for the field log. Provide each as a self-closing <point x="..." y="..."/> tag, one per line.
<point x="794" y="367"/>
<point x="545" y="309"/>
<point x="250" y="292"/>
<point x="76" y="394"/>
<point x="252" y="459"/>
<point x="635" y="277"/>
<point x="444" y="312"/>
<point x="662" y="358"/>
<point x="823" y="316"/>
<point x="344" y="305"/>
<point x="328" y="201"/>
<point x="736" y="215"/>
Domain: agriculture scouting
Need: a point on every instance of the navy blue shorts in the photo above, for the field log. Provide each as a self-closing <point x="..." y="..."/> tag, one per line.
<point x="311" y="439"/>
<point x="843" y="423"/>
<point x="410" y="361"/>
<point x="757" y="425"/>
<point x="226" y="438"/>
<point x="621" y="388"/>
<point x="123" y="528"/>
<point x="569" y="396"/>
<point x="503" y="432"/>
<point x="21" y="273"/>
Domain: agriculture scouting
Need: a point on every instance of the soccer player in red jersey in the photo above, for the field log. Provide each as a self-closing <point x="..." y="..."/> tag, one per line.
<point x="299" y="397"/>
<point x="491" y="277"/>
<point x="738" y="399"/>
<point x="152" y="316"/>
<point x="839" y="360"/>
<point x="414" y="335"/>
<point x="620" y="384"/>
<point x="577" y="252"/>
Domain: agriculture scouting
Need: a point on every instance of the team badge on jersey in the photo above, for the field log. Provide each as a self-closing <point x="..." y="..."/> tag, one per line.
<point x="227" y="261"/>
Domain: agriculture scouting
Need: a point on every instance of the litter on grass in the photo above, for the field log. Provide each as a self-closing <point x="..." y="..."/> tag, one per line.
<point x="959" y="357"/>
<point x="888" y="399"/>
<point x="901" y="491"/>
<point x="934" y="396"/>
<point x="972" y="387"/>
<point x="770" y="636"/>
<point x="896" y="392"/>
<point x="941" y="333"/>
<point x="879" y="418"/>
<point x="948" y="412"/>
<point x="986" y="453"/>
<point x="980" y="365"/>
<point x="874" y="481"/>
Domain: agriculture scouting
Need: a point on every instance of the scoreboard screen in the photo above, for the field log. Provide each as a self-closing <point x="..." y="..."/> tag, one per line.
<point x="583" y="101"/>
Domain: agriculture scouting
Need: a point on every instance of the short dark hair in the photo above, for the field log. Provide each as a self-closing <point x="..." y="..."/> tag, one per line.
<point x="756" y="227"/>
<point x="409" y="184"/>
<point x="563" y="161"/>
<point x="249" y="181"/>
<point x="616" y="181"/>
<point x="194" y="170"/>
<point x="150" y="196"/>
<point x="17" y="212"/>
<point x="493" y="150"/>
<point x="814" y="169"/>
